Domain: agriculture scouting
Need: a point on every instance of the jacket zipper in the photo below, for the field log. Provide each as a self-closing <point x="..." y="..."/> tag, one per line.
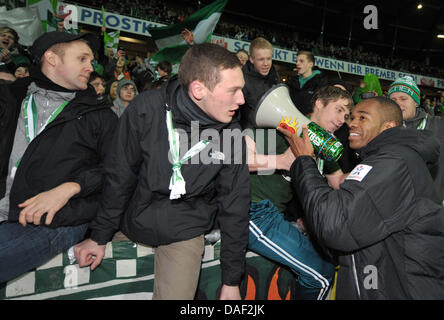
<point x="355" y="274"/>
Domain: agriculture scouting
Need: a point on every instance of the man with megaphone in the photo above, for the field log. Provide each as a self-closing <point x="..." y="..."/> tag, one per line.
<point x="386" y="220"/>
<point x="271" y="234"/>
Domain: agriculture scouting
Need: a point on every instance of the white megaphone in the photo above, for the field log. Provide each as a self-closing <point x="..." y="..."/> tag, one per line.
<point x="276" y="106"/>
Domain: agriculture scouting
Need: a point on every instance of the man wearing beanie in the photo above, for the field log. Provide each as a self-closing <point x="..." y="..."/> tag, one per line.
<point x="406" y="94"/>
<point x="57" y="135"/>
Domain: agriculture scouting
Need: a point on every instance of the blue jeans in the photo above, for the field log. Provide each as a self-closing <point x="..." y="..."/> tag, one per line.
<point x="25" y="248"/>
<point x="277" y="239"/>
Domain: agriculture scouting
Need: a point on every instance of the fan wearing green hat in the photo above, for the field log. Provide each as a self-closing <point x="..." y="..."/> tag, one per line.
<point x="407" y="95"/>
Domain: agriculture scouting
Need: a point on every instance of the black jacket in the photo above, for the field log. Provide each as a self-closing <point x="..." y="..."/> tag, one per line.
<point x="301" y="97"/>
<point x="11" y="96"/>
<point x="435" y="124"/>
<point x="70" y="149"/>
<point x="138" y="173"/>
<point x="255" y="86"/>
<point x="389" y="227"/>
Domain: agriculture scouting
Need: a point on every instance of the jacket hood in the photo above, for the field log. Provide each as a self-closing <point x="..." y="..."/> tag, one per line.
<point x="423" y="142"/>
<point x="123" y="83"/>
<point x="185" y="110"/>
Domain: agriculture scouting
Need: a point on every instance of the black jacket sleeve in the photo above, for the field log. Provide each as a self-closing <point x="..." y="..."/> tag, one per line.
<point x="360" y="213"/>
<point x="121" y="175"/>
<point x="233" y="185"/>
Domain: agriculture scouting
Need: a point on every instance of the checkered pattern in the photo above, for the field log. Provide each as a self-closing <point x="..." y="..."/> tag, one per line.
<point x="127" y="271"/>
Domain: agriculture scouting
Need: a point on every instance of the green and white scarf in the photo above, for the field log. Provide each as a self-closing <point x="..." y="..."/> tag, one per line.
<point x="30" y="114"/>
<point x="177" y="182"/>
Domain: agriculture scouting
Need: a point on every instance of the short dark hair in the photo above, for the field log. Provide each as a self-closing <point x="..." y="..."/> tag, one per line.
<point x="165" y="66"/>
<point x="309" y="55"/>
<point x="11" y="31"/>
<point x="390" y="110"/>
<point x="331" y="93"/>
<point x="94" y="75"/>
<point x="204" y="62"/>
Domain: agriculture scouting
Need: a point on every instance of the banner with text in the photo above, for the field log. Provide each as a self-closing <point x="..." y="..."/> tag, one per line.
<point x="331" y="64"/>
<point x="138" y="26"/>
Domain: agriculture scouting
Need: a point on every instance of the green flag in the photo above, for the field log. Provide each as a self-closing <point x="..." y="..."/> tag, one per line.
<point x="103" y="17"/>
<point x="111" y="41"/>
<point x="52" y="21"/>
<point x="54" y="5"/>
<point x="169" y="40"/>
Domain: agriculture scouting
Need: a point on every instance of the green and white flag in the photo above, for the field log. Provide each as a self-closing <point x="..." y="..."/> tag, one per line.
<point x="52" y="21"/>
<point x="111" y="41"/>
<point x="44" y="6"/>
<point x="51" y="13"/>
<point x="169" y="40"/>
<point x="25" y="21"/>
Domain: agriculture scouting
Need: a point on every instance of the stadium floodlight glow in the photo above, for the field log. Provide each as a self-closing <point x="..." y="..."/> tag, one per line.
<point x="419" y="7"/>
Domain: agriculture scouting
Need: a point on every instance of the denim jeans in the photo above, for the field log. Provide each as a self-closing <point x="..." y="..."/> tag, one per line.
<point x="277" y="239"/>
<point x="25" y="248"/>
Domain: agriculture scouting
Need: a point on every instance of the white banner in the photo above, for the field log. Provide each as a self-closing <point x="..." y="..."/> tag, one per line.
<point x="333" y="64"/>
<point x="133" y="25"/>
<point x="115" y="21"/>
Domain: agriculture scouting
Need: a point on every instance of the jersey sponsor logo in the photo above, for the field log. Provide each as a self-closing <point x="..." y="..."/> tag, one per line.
<point x="359" y="172"/>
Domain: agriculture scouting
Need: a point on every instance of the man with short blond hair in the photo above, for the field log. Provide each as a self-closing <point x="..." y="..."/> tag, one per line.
<point x="259" y="75"/>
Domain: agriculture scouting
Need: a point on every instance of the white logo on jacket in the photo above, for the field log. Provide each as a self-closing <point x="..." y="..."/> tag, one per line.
<point x="217" y="155"/>
<point x="359" y="172"/>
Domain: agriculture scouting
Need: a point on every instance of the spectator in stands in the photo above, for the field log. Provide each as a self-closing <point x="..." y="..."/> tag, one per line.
<point x="126" y="91"/>
<point x="9" y="50"/>
<point x="305" y="85"/>
<point x="22" y="71"/>
<point x="142" y="73"/>
<point x="242" y="56"/>
<point x="272" y="196"/>
<point x="55" y="172"/>
<point x="97" y="82"/>
<point x="428" y="108"/>
<point x="112" y="95"/>
<point x="260" y="75"/>
<point x="148" y="203"/>
<point x="164" y="69"/>
<point x="406" y="94"/>
<point x="7" y="76"/>
<point x="116" y="68"/>
<point x="386" y="220"/>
